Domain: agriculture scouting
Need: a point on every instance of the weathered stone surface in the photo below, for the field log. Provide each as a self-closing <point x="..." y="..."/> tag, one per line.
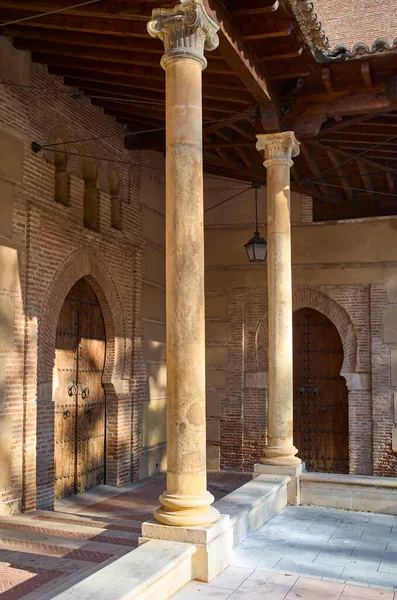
<point x="5" y="450"/>
<point x="218" y="331"/>
<point x="155" y="422"/>
<point x="2" y="382"/>
<point x="154" y="341"/>
<point x="6" y="206"/>
<point x="213" y="431"/>
<point x="9" y="269"/>
<point x="215" y="306"/>
<point x="213" y="404"/>
<point x="6" y="322"/>
<point x="216" y="355"/>
<point x="11" y="151"/>
<point x="216" y="379"/>
<point x="390" y="325"/>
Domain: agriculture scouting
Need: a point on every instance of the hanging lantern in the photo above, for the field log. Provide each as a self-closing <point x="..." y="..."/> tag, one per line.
<point x="256" y="248"/>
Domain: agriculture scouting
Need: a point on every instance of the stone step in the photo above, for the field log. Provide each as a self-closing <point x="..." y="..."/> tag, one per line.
<point x="45" y="561"/>
<point x="154" y="571"/>
<point x="46" y="528"/>
<point x="110" y="524"/>
<point x="59" y="545"/>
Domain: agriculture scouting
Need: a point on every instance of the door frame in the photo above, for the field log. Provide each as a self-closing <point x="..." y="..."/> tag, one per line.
<point x="116" y="374"/>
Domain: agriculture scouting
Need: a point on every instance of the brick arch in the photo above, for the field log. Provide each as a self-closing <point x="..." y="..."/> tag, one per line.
<point x="305" y="297"/>
<point x="83" y="263"/>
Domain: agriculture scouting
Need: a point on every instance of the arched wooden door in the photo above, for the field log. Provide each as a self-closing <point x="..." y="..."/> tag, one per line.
<point x="79" y="397"/>
<point x="321" y="420"/>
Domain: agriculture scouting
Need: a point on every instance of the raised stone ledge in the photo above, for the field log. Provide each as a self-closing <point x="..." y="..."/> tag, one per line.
<point x="242" y="512"/>
<point x="253" y="504"/>
<point x="154" y="571"/>
<point x="350" y="492"/>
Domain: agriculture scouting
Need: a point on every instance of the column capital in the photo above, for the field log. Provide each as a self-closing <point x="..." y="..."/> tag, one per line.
<point x="186" y="30"/>
<point x="278" y="148"/>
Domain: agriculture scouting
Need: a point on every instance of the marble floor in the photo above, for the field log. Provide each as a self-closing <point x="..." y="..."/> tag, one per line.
<point x="310" y="553"/>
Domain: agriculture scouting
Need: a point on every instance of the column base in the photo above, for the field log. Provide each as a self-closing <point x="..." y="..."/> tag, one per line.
<point x="282" y="456"/>
<point x="214" y="544"/>
<point x="186" y="511"/>
<point x="293" y="471"/>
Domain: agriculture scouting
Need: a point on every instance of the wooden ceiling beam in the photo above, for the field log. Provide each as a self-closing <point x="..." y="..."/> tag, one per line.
<point x="253" y="7"/>
<point x="292" y="74"/>
<point x="283" y="56"/>
<point x="260" y="32"/>
<point x="243" y="157"/>
<point x="313" y="166"/>
<point x="249" y="135"/>
<point x="366" y="73"/>
<point x="347" y="155"/>
<point x="391" y="183"/>
<point x="64" y="66"/>
<point x="62" y="22"/>
<point x="110" y="9"/>
<point x="346" y="123"/>
<point x="82" y="39"/>
<point x="338" y="170"/>
<point x="366" y="178"/>
<point x="114" y="90"/>
<point x="243" y="62"/>
<point x="327" y="80"/>
<point x="347" y="103"/>
<point x="142" y="58"/>
<point x="312" y="190"/>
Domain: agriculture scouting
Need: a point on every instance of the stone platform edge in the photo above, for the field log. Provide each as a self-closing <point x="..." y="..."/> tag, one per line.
<point x="154" y="571"/>
<point x="242" y="512"/>
<point x="350" y="492"/>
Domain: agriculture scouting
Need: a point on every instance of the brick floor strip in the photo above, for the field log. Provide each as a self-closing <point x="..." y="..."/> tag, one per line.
<point x="62" y="551"/>
<point x="16" y="582"/>
<point x="96" y="524"/>
<point x="69" y="534"/>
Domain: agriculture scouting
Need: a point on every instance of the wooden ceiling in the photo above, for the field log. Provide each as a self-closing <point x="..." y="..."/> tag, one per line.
<point x="271" y="72"/>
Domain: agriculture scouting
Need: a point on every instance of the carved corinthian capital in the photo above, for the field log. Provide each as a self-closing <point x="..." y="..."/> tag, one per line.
<point x="186" y="30"/>
<point x="278" y="147"/>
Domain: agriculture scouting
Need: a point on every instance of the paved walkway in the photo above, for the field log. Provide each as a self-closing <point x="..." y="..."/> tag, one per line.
<point x="42" y="553"/>
<point x="310" y="553"/>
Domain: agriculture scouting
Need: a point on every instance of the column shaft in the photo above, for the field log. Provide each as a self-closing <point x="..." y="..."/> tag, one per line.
<point x="185" y="281"/>
<point x="280" y="413"/>
<point x="186" y="30"/>
<point x="279" y="148"/>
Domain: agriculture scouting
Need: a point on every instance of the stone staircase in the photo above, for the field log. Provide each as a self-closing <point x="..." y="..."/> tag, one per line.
<point x="42" y="553"/>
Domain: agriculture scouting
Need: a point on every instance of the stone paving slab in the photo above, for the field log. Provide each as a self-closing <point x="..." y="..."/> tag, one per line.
<point x="310" y="553"/>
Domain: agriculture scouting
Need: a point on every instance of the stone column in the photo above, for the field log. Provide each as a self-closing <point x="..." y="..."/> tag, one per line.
<point x="278" y="149"/>
<point x="186" y="31"/>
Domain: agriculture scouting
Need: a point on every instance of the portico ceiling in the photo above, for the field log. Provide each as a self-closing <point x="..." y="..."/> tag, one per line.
<point x="273" y="71"/>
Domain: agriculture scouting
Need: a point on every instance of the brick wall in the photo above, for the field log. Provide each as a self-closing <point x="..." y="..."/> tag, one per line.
<point x="44" y="250"/>
<point x="357" y="20"/>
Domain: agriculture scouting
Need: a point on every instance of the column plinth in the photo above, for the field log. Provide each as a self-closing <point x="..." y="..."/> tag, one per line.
<point x="279" y="149"/>
<point x="187" y="31"/>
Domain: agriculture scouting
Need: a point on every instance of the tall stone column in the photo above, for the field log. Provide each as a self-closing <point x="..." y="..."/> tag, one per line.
<point x="186" y="31"/>
<point x="278" y="149"/>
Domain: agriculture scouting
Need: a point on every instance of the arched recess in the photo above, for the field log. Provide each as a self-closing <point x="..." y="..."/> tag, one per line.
<point x="81" y="263"/>
<point x="358" y="384"/>
<point x="305" y="297"/>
